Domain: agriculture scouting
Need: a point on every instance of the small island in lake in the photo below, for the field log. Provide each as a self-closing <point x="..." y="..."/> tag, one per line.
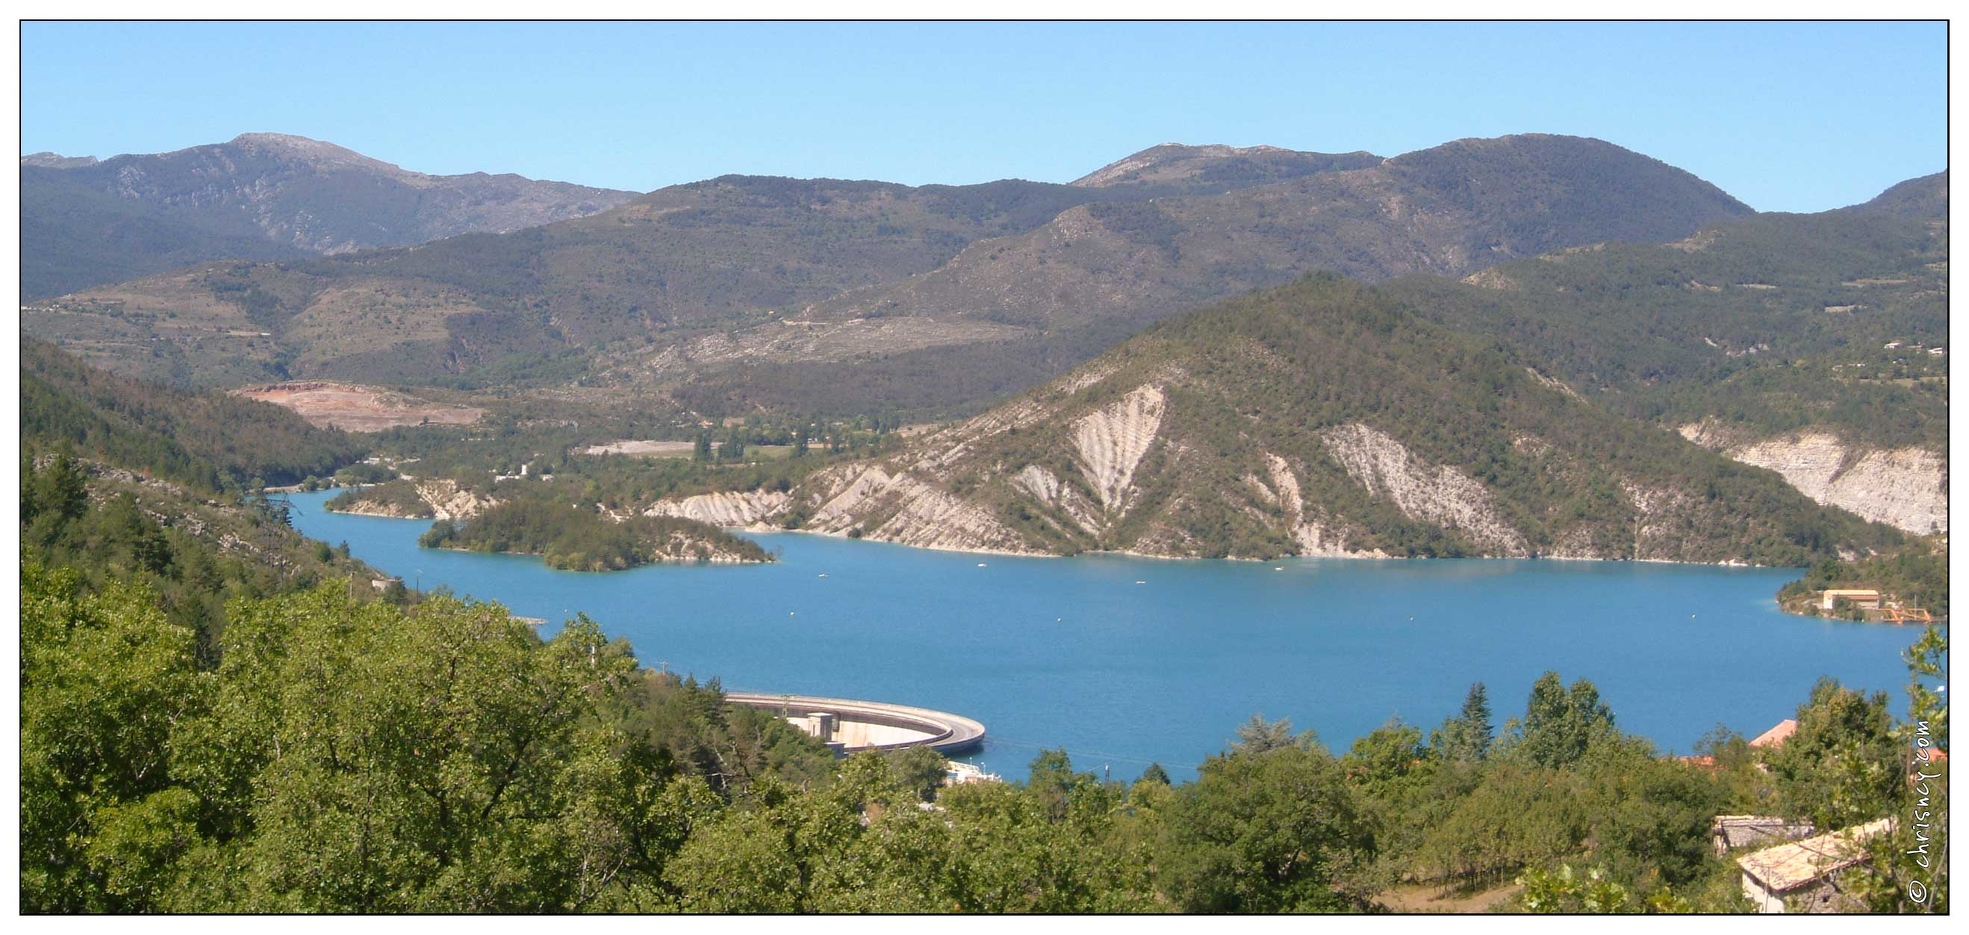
<point x="574" y="539"/>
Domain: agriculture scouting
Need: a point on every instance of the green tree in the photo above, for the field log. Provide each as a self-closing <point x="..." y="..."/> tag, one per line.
<point x="921" y="770"/>
<point x="1259" y="735"/>
<point x="57" y="495"/>
<point x="1388" y="753"/>
<point x="1564" y="891"/>
<point x="1844" y="765"/>
<point x="104" y="679"/>
<point x="1052" y="781"/>
<point x="1561" y="723"/>
<point x="1927" y="662"/>
<point x="1466" y="738"/>
<point x="1272" y="831"/>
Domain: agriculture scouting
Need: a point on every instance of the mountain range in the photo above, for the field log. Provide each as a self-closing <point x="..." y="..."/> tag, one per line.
<point x="1809" y="344"/>
<point x="265" y="196"/>
<point x="741" y="292"/>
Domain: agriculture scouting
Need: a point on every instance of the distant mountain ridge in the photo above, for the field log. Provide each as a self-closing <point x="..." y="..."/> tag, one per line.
<point x="1924" y="198"/>
<point x="1096" y="273"/>
<point x="850" y="297"/>
<point x="1200" y="168"/>
<point x="258" y="196"/>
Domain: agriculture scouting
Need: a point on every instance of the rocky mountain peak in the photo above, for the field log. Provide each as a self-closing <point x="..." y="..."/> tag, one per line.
<point x="1178" y="162"/>
<point x="48" y="160"/>
<point x="315" y="153"/>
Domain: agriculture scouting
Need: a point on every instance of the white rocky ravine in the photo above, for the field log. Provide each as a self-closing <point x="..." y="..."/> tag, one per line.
<point x="1037" y="481"/>
<point x="449" y="502"/>
<point x="1312" y="536"/>
<point x="724" y="509"/>
<point x="1905" y="487"/>
<point x="922" y="515"/>
<point x="1112" y="441"/>
<point x="1434" y="494"/>
<point x="1041" y="485"/>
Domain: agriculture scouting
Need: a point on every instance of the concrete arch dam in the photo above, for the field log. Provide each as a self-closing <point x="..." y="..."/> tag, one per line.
<point x="852" y="726"/>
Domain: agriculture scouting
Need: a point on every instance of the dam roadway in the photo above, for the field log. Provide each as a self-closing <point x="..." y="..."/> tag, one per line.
<point x="870" y="725"/>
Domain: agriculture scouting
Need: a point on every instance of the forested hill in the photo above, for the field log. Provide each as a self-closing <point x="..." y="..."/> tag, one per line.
<point x="141" y="489"/>
<point x="260" y="196"/>
<point x="573" y="539"/>
<point x="1707" y="326"/>
<point x="1925" y="198"/>
<point x="207" y="439"/>
<point x="1814" y="344"/>
<point x="1322" y="418"/>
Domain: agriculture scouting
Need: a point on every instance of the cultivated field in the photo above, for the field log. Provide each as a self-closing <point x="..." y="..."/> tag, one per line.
<point x="353" y="408"/>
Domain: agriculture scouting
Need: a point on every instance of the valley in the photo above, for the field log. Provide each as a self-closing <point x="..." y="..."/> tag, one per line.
<point x="933" y="303"/>
<point x="391" y="539"/>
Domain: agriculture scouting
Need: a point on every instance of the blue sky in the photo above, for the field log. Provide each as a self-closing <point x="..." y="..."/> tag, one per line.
<point x="1787" y="117"/>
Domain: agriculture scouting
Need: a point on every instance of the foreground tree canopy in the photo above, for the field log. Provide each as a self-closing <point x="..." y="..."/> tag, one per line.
<point x="341" y="756"/>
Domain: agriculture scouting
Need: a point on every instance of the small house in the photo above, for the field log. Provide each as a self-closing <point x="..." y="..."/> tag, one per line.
<point x="1777" y="735"/>
<point x="1865" y="598"/>
<point x="1736" y="832"/>
<point x="1804" y="876"/>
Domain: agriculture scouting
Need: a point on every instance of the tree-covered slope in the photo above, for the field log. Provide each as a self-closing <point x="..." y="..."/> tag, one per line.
<point x="573" y="539"/>
<point x="207" y="439"/>
<point x="1323" y="417"/>
<point x="1813" y="344"/>
<point x="1746" y="321"/>
<point x="74" y="235"/>
<point x="1924" y="198"/>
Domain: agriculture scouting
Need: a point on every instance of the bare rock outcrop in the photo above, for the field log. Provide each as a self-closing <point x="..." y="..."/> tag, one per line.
<point x="905" y="509"/>
<point x="1905" y="487"/>
<point x="449" y="501"/>
<point x="1112" y="441"/>
<point x="1430" y="493"/>
<point x="751" y="508"/>
<point x="387" y="510"/>
<point x="1042" y="485"/>
<point x="1314" y="537"/>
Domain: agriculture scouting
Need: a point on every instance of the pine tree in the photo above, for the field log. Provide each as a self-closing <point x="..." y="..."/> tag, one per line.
<point x="1259" y="735"/>
<point x="1467" y="737"/>
<point x="1561" y="722"/>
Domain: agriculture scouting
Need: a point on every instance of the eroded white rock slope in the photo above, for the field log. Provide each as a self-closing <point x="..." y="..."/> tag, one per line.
<point x="1432" y="493"/>
<point x="1905" y="487"/>
<point x="1112" y="441"/>
<point x="723" y="509"/>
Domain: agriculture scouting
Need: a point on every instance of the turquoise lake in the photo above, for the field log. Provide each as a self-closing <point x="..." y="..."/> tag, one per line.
<point x="1128" y="661"/>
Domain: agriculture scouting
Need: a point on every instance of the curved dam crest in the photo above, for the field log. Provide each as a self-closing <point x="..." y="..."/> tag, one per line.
<point x="854" y="726"/>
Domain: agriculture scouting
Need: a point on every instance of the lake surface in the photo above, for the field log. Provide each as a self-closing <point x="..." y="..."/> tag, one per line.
<point x="1128" y="661"/>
